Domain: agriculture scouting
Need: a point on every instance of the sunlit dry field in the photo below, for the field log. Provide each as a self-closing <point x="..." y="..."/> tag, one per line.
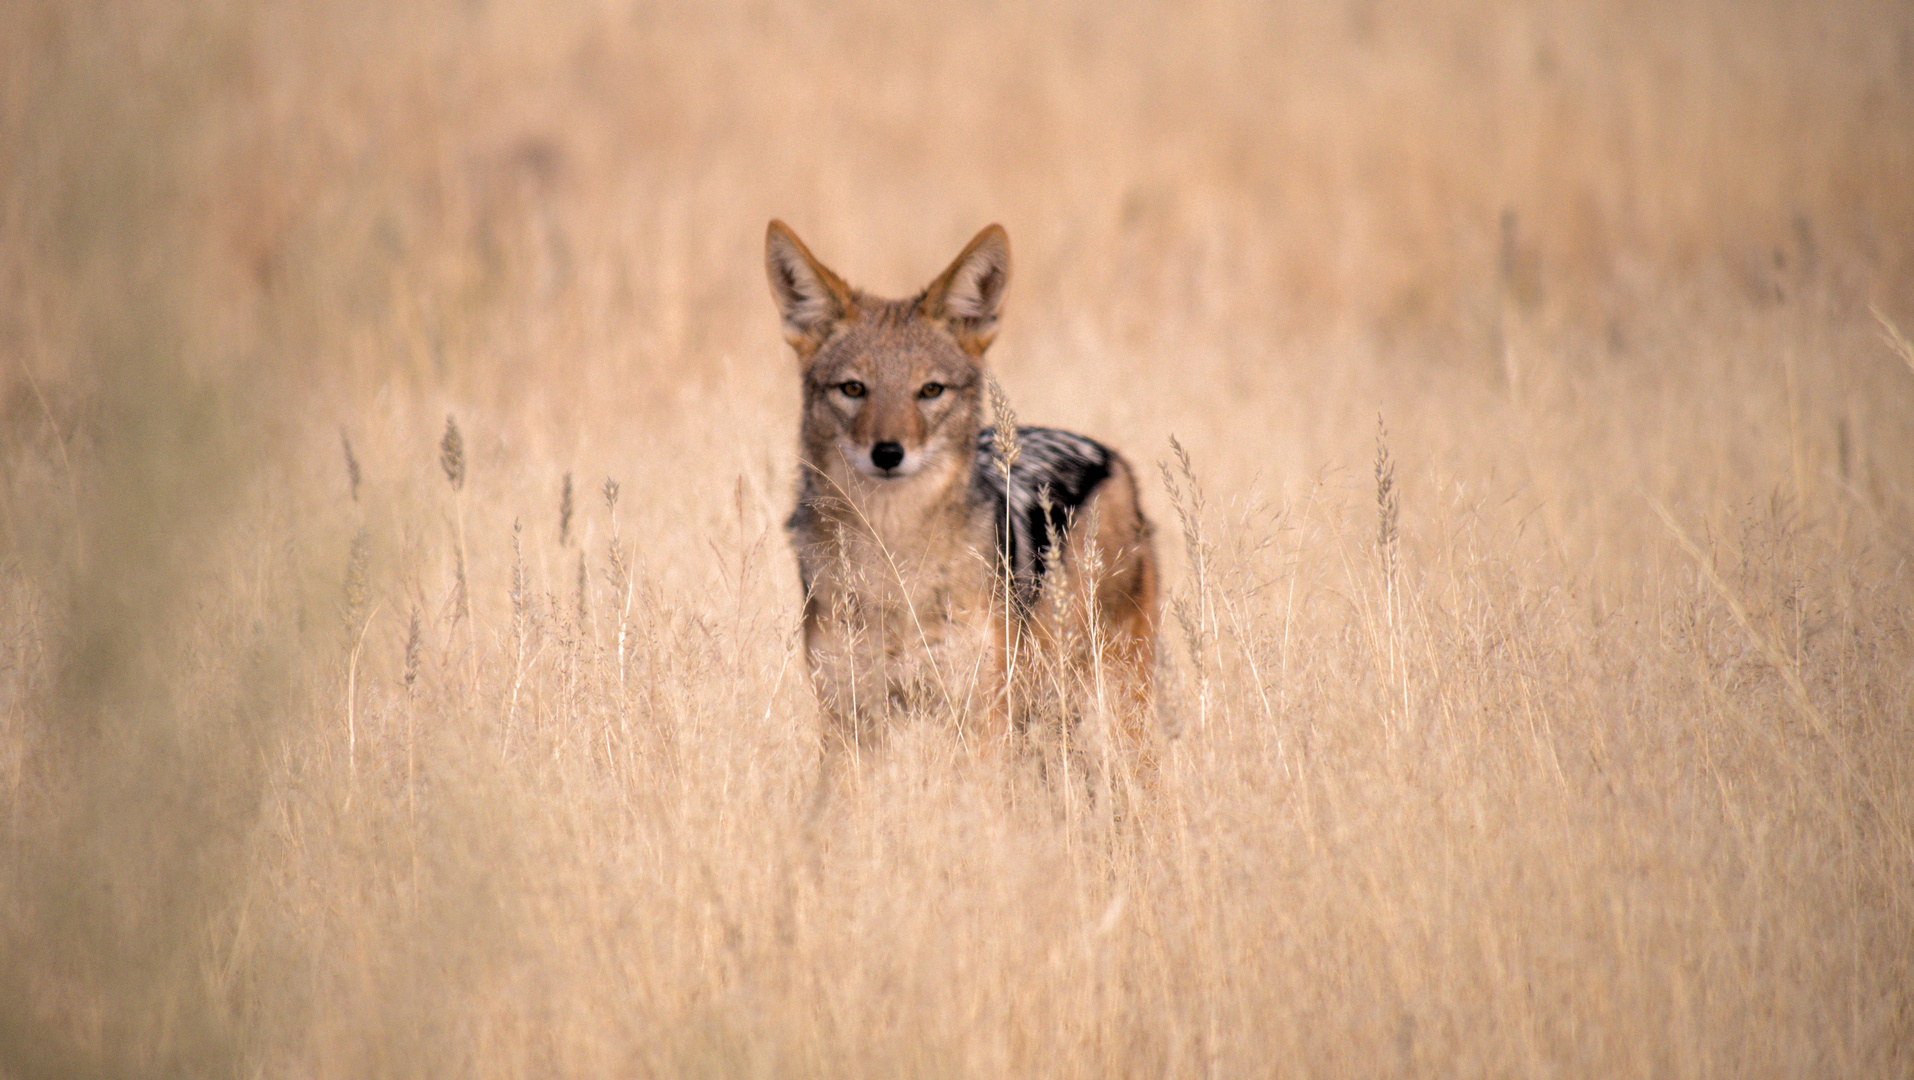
<point x="398" y="657"/>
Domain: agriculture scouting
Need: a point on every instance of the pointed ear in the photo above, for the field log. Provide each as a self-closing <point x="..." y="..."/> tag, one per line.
<point x="811" y="298"/>
<point x="967" y="296"/>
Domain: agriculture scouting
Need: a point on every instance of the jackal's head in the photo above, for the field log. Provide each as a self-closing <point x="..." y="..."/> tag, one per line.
<point x="893" y="389"/>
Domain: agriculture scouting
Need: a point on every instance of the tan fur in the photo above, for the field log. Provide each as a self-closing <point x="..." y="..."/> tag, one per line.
<point x="905" y="612"/>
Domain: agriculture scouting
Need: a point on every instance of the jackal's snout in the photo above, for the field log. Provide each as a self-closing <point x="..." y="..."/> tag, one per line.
<point x="887" y="455"/>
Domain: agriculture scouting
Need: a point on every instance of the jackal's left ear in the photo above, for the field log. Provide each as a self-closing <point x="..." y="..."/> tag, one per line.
<point x="967" y="296"/>
<point x="811" y="298"/>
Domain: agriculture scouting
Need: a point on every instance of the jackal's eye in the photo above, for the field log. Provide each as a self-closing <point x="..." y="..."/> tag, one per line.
<point x="851" y="388"/>
<point x="930" y="390"/>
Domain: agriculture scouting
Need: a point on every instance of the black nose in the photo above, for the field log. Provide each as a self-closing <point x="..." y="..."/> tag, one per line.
<point x="887" y="455"/>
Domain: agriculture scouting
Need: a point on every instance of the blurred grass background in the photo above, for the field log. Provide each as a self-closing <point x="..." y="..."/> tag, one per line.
<point x="316" y="764"/>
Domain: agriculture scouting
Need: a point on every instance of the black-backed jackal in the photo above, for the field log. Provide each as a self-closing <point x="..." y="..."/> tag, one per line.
<point x="935" y="577"/>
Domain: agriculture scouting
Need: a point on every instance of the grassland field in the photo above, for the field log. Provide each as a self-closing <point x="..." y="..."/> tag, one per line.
<point x="399" y="671"/>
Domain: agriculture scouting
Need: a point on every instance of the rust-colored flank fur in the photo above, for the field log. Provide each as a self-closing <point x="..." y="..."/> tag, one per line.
<point x="996" y="578"/>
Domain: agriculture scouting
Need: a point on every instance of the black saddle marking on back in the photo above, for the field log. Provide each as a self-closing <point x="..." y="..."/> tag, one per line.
<point x="1058" y="467"/>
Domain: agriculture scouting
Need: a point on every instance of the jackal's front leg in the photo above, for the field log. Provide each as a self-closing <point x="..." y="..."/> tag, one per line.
<point x="984" y="713"/>
<point x="852" y="693"/>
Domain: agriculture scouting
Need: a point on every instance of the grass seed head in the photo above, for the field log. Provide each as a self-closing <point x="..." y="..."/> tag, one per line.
<point x="413" y="639"/>
<point x="357" y="590"/>
<point x="452" y="454"/>
<point x="1005" y="426"/>
<point x="584" y="591"/>
<point x="1388" y="499"/>
<point x="519" y="590"/>
<point x="352" y="464"/>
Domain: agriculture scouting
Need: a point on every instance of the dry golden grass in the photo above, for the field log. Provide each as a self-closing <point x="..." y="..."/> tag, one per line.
<point x="397" y="672"/>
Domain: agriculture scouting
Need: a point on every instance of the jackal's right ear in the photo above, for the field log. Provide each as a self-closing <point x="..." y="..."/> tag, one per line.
<point x="967" y="296"/>
<point x="810" y="297"/>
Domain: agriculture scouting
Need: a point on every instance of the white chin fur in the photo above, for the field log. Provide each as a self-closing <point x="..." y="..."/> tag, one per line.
<point x="860" y="459"/>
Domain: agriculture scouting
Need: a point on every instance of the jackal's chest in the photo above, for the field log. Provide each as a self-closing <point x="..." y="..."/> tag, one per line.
<point x="890" y="627"/>
<point x="899" y="602"/>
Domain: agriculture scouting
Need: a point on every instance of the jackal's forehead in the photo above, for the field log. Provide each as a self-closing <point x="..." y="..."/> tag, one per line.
<point x="884" y="352"/>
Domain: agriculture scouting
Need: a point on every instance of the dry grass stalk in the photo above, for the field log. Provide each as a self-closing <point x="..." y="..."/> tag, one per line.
<point x="1195" y="613"/>
<point x="452" y="462"/>
<point x="1389" y="552"/>
<point x="1896" y="341"/>
<point x="358" y="620"/>
<point x="1388" y="512"/>
<point x="521" y="605"/>
<point x="1004" y="426"/>
<point x="617" y="573"/>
